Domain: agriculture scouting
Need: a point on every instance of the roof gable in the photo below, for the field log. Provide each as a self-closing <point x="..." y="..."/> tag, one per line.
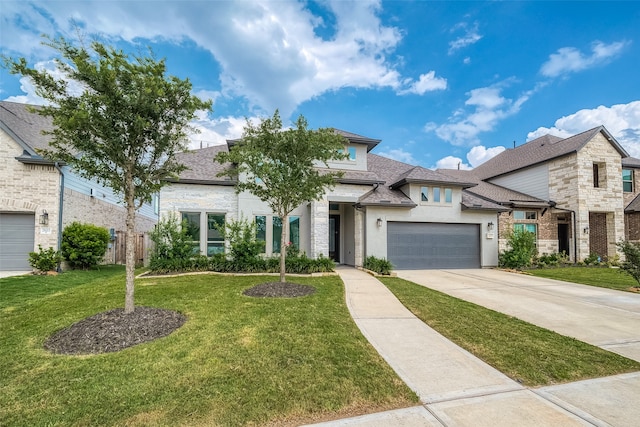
<point x="541" y="150"/>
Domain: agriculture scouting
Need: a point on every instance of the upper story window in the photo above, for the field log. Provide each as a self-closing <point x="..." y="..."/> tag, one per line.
<point x="599" y="175"/>
<point x="627" y="180"/>
<point x="436" y="194"/>
<point x="525" y="215"/>
<point x="352" y="153"/>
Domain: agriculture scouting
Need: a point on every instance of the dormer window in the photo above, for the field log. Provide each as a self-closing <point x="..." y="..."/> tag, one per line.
<point x="352" y="153"/>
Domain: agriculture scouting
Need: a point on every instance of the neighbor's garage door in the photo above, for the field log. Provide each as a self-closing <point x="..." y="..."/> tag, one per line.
<point x="413" y="246"/>
<point x="16" y="241"/>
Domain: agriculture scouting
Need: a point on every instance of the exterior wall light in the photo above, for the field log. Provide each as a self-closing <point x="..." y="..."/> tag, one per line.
<point x="44" y="218"/>
<point x="379" y="222"/>
<point x="490" y="226"/>
<point x="586" y="230"/>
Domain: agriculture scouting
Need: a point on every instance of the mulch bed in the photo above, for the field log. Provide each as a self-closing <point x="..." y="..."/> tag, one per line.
<point x="279" y="290"/>
<point x="114" y="330"/>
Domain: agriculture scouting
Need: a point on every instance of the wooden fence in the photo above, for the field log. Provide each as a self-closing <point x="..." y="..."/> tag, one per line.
<point x="119" y="245"/>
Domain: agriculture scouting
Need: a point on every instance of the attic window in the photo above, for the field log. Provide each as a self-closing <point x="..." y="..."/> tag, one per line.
<point x="599" y="175"/>
<point x="352" y="153"/>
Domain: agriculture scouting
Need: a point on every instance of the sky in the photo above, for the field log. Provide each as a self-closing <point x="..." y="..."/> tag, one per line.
<point x="441" y="84"/>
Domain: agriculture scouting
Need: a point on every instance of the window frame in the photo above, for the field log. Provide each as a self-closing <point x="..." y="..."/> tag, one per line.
<point x="424" y="194"/>
<point x="628" y="181"/>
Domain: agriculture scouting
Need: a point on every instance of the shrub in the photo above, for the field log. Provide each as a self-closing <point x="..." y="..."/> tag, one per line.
<point x="243" y="245"/>
<point x="172" y="249"/>
<point x="84" y="245"/>
<point x="551" y="260"/>
<point x="592" y="259"/>
<point x="378" y="265"/>
<point x="45" y="260"/>
<point x="522" y="246"/>
<point x="631" y="263"/>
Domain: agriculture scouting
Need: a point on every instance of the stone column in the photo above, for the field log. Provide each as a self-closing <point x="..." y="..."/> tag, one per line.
<point x="359" y="232"/>
<point x="319" y="213"/>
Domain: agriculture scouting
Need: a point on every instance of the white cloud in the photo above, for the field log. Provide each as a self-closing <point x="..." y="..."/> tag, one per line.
<point x="489" y="108"/>
<point x="427" y="83"/>
<point x="399" y="155"/>
<point x="216" y="131"/>
<point x="269" y="52"/>
<point x="451" y="162"/>
<point x="621" y="120"/>
<point x="570" y="59"/>
<point x="470" y="37"/>
<point x="480" y="154"/>
<point x="26" y="85"/>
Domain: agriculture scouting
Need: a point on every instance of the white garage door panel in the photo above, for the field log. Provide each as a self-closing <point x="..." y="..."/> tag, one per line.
<point x="16" y="241"/>
<point x="412" y="246"/>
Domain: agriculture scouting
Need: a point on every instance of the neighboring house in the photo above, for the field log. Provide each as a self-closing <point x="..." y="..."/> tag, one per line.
<point x="579" y="195"/>
<point x="39" y="197"/>
<point x="415" y="217"/>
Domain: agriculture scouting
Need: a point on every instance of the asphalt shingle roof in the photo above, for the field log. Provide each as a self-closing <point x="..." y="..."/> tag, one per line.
<point x="201" y="169"/>
<point x="25" y="126"/>
<point x="538" y="151"/>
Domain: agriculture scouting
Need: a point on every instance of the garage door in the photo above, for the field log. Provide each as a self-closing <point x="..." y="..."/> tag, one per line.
<point x="16" y="241"/>
<point x="412" y="246"/>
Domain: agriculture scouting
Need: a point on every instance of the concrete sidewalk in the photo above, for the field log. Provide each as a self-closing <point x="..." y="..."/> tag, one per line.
<point x="455" y="387"/>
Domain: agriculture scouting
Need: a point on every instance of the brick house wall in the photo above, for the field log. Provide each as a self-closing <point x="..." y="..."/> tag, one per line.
<point x="29" y="188"/>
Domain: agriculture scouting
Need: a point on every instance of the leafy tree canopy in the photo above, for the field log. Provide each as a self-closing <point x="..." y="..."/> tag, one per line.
<point x="280" y="166"/>
<point x="122" y="127"/>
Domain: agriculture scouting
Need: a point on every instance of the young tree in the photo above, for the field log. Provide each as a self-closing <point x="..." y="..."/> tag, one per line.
<point x="280" y="166"/>
<point x="123" y="129"/>
<point x="631" y="263"/>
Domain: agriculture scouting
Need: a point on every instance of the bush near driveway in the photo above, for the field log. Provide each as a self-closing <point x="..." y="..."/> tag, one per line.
<point x="237" y="360"/>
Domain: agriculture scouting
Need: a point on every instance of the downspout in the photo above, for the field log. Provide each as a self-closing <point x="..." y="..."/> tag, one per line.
<point x="60" y="209"/>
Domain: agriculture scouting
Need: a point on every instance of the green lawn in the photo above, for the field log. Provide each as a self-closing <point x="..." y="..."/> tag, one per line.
<point x="612" y="278"/>
<point x="527" y="353"/>
<point x="237" y="361"/>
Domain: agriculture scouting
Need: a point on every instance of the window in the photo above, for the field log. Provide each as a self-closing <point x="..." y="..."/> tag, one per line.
<point x="352" y="153"/>
<point x="215" y="239"/>
<point x="448" y="194"/>
<point x="531" y="228"/>
<point x="334" y="207"/>
<point x="424" y="194"/>
<point x="596" y="175"/>
<point x="627" y="180"/>
<point x="261" y="231"/>
<point x="525" y="215"/>
<point x="156" y="204"/>
<point x="191" y="220"/>
<point x="436" y="195"/>
<point x="294" y="233"/>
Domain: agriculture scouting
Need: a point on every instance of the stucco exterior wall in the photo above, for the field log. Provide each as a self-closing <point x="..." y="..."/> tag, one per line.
<point x="376" y="237"/>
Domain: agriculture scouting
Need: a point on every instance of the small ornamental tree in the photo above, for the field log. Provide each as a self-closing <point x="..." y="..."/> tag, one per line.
<point x="123" y="130"/>
<point x="280" y="166"/>
<point x="631" y="263"/>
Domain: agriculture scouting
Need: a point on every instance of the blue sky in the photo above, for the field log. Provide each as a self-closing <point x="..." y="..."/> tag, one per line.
<point x="441" y="84"/>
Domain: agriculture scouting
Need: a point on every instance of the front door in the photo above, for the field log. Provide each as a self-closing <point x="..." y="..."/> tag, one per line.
<point x="563" y="238"/>
<point x="334" y="237"/>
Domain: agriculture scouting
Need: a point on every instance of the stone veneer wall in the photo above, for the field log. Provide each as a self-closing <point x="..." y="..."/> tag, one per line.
<point x="571" y="187"/>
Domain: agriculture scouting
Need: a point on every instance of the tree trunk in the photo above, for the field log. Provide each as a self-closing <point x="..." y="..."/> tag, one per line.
<point x="284" y="239"/>
<point x="130" y="252"/>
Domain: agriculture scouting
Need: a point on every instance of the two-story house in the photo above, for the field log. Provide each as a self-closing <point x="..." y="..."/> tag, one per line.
<point x="576" y="194"/>
<point x="415" y="217"/>
<point x="39" y="197"/>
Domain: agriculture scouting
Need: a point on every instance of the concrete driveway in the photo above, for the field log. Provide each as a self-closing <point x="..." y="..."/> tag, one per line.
<point x="606" y="318"/>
